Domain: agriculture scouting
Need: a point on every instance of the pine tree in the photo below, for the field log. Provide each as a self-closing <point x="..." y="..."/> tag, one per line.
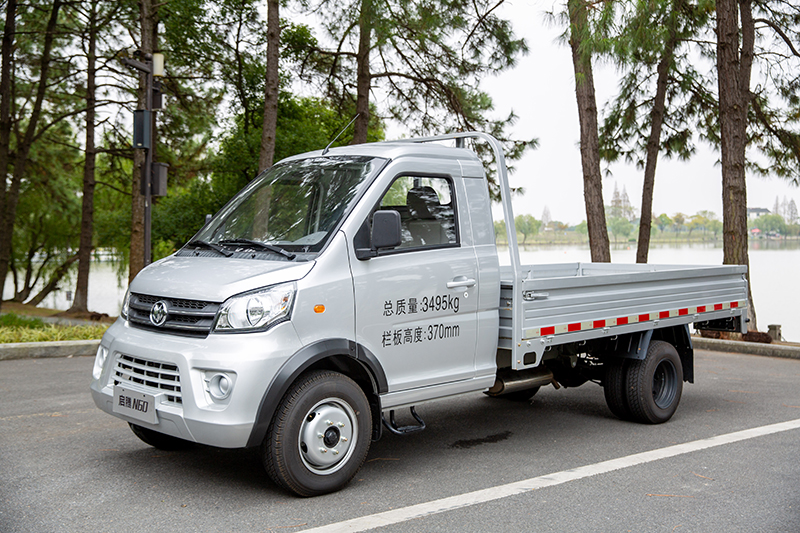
<point x="581" y="44"/>
<point x="791" y="212"/>
<point x="546" y="218"/>
<point x="661" y="91"/>
<point x="271" y="83"/>
<point x="428" y="58"/>
<point x="35" y="123"/>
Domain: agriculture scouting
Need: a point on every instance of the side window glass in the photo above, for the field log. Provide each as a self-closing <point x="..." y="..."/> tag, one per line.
<point x="427" y="213"/>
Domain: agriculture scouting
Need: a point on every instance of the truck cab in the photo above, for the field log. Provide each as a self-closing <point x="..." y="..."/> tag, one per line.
<point x="285" y="282"/>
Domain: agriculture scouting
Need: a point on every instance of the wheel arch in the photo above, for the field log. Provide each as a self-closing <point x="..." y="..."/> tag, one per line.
<point x="635" y="346"/>
<point x="340" y="355"/>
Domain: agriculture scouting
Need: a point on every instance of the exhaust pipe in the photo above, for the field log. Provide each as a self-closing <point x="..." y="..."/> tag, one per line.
<point x="513" y="381"/>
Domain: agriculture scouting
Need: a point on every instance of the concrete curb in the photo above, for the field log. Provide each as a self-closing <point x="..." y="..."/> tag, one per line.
<point x="749" y="348"/>
<point x="35" y="350"/>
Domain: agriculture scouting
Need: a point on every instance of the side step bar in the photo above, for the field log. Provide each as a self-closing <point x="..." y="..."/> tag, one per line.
<point x="391" y="425"/>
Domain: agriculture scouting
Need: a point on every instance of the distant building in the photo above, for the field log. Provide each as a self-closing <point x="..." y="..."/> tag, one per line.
<point x="755" y="212"/>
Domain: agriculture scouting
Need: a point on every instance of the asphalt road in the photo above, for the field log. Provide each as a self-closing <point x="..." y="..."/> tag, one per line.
<point x="66" y="466"/>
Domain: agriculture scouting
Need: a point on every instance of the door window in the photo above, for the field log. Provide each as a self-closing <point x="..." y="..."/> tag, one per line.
<point x="427" y="211"/>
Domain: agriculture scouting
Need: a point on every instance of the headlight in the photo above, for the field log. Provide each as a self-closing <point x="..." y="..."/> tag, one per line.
<point x="126" y="302"/>
<point x="256" y="310"/>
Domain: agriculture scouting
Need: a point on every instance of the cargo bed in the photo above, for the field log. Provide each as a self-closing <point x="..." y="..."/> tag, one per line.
<point x="573" y="302"/>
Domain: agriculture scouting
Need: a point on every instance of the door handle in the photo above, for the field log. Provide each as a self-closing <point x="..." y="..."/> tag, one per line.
<point x="460" y="281"/>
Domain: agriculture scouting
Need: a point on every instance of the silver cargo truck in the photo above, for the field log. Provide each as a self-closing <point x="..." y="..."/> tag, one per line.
<point x="344" y="284"/>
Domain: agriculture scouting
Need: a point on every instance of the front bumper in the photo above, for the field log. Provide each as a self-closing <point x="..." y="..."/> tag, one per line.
<point x="176" y="369"/>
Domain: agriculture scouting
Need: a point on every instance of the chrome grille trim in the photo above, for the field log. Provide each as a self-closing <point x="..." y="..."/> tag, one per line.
<point x="155" y="377"/>
<point x="184" y="317"/>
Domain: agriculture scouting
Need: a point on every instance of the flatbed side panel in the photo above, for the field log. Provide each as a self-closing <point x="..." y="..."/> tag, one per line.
<point x="606" y="299"/>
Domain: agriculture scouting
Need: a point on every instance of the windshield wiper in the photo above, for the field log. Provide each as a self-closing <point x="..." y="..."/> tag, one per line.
<point x="262" y="245"/>
<point x="210" y="246"/>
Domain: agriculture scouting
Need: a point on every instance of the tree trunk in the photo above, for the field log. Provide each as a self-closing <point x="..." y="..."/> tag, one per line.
<point x="52" y="284"/>
<point x="24" y="147"/>
<point x="80" y="302"/>
<point x="9" y="31"/>
<point x="734" y="64"/>
<point x="267" y="154"/>
<point x="653" y="142"/>
<point x="590" y="150"/>
<point x="148" y="16"/>
<point x="364" y="77"/>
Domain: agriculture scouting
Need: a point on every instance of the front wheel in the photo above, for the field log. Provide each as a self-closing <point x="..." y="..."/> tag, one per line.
<point x="654" y="385"/>
<point x="320" y="435"/>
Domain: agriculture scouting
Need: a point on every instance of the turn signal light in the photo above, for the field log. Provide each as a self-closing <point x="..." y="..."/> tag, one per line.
<point x="319" y="308"/>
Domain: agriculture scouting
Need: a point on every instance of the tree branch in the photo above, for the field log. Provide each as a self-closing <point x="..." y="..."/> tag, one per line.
<point x="781" y="33"/>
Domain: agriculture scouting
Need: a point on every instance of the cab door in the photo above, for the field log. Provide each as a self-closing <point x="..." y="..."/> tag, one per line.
<point x="416" y="305"/>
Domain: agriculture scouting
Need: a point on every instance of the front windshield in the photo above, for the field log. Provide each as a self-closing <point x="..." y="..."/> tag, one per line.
<point x="295" y="206"/>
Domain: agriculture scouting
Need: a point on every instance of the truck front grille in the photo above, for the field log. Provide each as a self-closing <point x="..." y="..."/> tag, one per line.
<point x="155" y="377"/>
<point x="184" y="317"/>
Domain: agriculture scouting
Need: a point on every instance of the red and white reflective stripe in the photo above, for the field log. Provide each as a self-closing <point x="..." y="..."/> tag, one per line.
<point x="632" y="319"/>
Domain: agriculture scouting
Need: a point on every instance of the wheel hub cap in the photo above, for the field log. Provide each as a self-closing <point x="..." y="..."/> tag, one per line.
<point x="327" y="436"/>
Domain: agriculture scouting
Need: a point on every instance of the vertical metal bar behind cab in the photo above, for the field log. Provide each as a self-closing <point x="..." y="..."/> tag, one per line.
<point x="511" y="232"/>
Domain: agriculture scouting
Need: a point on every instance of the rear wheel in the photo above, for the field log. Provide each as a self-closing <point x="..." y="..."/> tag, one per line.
<point x="614" y="387"/>
<point x="654" y="385"/>
<point x="320" y="435"/>
<point x="159" y="440"/>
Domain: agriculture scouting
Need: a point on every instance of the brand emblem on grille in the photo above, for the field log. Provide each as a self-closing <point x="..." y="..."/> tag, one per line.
<point x="158" y="313"/>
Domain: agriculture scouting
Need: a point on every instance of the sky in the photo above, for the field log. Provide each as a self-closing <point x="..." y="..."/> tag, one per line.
<point x="541" y="91"/>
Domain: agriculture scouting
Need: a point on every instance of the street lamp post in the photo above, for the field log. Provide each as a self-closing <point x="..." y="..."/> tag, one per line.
<point x="143" y="132"/>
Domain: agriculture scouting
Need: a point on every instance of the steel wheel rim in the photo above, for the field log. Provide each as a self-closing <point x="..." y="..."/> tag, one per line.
<point x="327" y="436"/>
<point x="665" y="384"/>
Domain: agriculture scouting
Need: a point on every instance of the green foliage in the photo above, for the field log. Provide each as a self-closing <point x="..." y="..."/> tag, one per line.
<point x="663" y="222"/>
<point x="50" y="333"/>
<point x="527" y="225"/>
<point x="11" y="320"/>
<point x="428" y="58"/>
<point x="620" y="228"/>
<point x="770" y="223"/>
<point x="18" y="328"/>
<point x="48" y="213"/>
<point x="500" y="233"/>
<point x="304" y="124"/>
<point x="774" y="113"/>
<point x="655" y="35"/>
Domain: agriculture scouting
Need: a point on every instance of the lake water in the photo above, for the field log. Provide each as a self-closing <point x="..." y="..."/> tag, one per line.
<point x="774" y="269"/>
<point x="106" y="290"/>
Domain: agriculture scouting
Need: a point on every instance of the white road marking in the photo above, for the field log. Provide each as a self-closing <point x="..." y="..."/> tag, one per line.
<point x="459" y="501"/>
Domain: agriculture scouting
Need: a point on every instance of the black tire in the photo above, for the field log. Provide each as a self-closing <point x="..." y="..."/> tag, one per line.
<point x="655" y="384"/>
<point x="614" y="387"/>
<point x="159" y="440"/>
<point x="330" y="410"/>
<point x="516" y="396"/>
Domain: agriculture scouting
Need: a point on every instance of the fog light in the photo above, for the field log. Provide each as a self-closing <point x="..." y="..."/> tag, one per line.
<point x="99" y="361"/>
<point x="219" y="386"/>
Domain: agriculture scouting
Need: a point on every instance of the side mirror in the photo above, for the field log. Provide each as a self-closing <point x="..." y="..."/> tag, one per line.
<point x="385" y="229"/>
<point x="385" y="234"/>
